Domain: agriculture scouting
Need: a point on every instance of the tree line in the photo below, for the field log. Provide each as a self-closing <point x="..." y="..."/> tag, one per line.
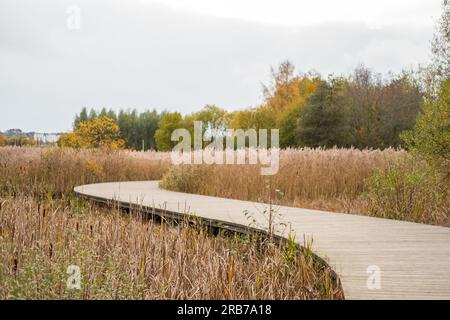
<point x="16" y="140"/>
<point x="136" y="129"/>
<point x="362" y="110"/>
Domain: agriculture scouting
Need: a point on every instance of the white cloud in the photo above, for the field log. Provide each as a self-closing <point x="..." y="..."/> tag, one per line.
<point x="303" y="12"/>
<point x="128" y="55"/>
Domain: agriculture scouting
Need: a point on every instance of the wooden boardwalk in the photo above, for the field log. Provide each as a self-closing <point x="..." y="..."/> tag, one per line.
<point x="411" y="261"/>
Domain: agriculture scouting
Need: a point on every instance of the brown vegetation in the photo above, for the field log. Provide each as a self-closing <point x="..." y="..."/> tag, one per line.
<point x="124" y="256"/>
<point x="332" y="179"/>
<point x="54" y="172"/>
<point x="389" y="184"/>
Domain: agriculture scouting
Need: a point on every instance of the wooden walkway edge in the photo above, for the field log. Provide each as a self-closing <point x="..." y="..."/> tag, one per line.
<point x="374" y="258"/>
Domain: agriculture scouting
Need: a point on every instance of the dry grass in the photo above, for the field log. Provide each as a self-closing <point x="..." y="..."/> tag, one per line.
<point x="43" y="230"/>
<point x="43" y="172"/>
<point x="127" y="257"/>
<point x="331" y="179"/>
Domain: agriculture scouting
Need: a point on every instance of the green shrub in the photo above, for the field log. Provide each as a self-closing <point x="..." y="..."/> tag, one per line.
<point x="411" y="190"/>
<point x="179" y="178"/>
<point x="430" y="137"/>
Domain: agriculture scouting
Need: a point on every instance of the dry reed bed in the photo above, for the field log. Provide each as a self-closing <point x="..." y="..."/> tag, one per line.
<point x="127" y="257"/>
<point x="332" y="179"/>
<point x="54" y="171"/>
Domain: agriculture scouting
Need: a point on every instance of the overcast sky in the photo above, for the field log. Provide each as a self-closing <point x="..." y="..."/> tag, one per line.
<point x="182" y="54"/>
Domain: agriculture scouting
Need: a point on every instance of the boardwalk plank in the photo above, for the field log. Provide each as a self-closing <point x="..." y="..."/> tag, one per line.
<point x="414" y="259"/>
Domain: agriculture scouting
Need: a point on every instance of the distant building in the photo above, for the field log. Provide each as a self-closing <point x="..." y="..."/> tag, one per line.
<point x="14" y="132"/>
<point x="46" y="138"/>
<point x="40" y="138"/>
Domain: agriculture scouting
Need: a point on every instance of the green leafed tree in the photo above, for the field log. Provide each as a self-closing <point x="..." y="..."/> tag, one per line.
<point x="83" y="116"/>
<point x="430" y="136"/>
<point x="138" y="129"/>
<point x="213" y="118"/>
<point x="322" y="122"/>
<point x="287" y="123"/>
<point x="148" y="124"/>
<point x="169" y="122"/>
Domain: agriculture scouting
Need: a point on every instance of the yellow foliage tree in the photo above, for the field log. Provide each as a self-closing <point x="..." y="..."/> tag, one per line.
<point x="16" y="141"/>
<point x="3" y="141"/>
<point x="288" y="88"/>
<point x="102" y="133"/>
<point x="284" y="100"/>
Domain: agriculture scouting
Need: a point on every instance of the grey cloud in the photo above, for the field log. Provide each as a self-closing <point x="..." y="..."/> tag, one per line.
<point x="146" y="56"/>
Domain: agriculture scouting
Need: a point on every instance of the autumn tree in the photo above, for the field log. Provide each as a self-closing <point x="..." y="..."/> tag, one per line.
<point x="373" y="110"/>
<point x="363" y="103"/>
<point x="283" y="89"/>
<point x="378" y="110"/>
<point x="101" y="132"/>
<point x="287" y="120"/>
<point x="17" y="140"/>
<point x="255" y="118"/>
<point x="136" y="128"/>
<point x="3" y="141"/>
<point x="284" y="98"/>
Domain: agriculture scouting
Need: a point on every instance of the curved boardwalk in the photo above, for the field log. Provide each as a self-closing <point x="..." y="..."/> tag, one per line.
<point x="413" y="259"/>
